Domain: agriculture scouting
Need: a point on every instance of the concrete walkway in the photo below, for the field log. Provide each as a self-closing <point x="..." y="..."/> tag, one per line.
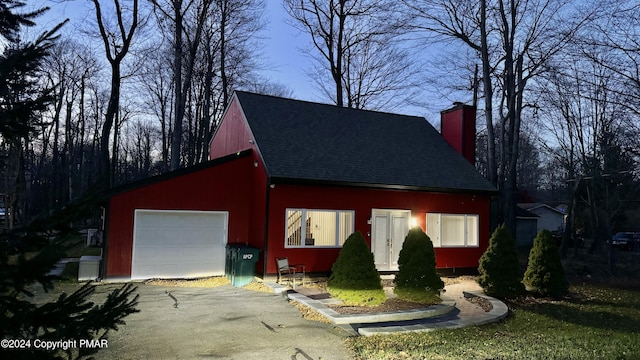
<point x="58" y="268"/>
<point x="454" y="312"/>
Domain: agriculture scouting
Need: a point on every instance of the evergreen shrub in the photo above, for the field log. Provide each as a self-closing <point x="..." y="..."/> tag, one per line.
<point x="499" y="269"/>
<point x="417" y="279"/>
<point x="545" y="274"/>
<point x="354" y="278"/>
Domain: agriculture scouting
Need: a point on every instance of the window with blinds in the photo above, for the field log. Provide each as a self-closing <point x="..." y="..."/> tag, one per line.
<point x="453" y="230"/>
<point x="317" y="228"/>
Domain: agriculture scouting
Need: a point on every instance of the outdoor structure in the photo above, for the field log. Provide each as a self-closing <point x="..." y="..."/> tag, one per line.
<point x="549" y="218"/>
<point x="295" y="179"/>
<point x="527" y="227"/>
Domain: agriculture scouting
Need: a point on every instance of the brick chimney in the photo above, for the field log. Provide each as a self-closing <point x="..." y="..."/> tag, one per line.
<point x="458" y="128"/>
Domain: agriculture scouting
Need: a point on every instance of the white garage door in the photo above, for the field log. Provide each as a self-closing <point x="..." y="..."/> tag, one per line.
<point x="178" y="244"/>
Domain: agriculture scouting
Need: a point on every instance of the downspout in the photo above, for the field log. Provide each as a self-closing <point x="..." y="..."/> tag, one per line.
<point x="105" y="221"/>
<point x="266" y="227"/>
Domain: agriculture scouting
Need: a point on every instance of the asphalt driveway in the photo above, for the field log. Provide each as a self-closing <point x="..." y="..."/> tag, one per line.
<point x="219" y="323"/>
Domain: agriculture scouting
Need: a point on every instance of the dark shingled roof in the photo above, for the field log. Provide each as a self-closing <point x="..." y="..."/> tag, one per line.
<point x="305" y="141"/>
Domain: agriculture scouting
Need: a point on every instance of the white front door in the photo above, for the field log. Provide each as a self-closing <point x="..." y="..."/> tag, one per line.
<point x="388" y="230"/>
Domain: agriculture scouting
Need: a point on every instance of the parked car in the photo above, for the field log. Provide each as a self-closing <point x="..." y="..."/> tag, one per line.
<point x="626" y="240"/>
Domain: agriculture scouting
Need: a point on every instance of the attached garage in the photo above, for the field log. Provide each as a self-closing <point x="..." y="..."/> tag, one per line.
<point x="178" y="244"/>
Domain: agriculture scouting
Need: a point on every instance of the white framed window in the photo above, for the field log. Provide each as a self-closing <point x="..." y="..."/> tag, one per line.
<point x="317" y="228"/>
<point x="453" y="230"/>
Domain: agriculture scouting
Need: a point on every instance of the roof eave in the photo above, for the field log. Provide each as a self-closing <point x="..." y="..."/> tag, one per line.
<point x="298" y="181"/>
<point x="175" y="173"/>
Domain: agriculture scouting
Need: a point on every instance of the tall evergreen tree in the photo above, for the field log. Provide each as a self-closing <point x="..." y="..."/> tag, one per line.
<point x="21" y="99"/>
<point x="27" y="255"/>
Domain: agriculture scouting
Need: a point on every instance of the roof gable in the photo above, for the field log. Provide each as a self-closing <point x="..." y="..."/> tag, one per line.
<point x="301" y="140"/>
<point x="540" y="208"/>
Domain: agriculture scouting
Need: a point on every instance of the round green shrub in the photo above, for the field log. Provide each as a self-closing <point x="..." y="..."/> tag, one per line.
<point x="545" y="274"/>
<point x="354" y="278"/>
<point x="417" y="267"/>
<point x="499" y="270"/>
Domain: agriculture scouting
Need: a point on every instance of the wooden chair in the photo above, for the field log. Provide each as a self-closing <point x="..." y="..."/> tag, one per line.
<point x="290" y="273"/>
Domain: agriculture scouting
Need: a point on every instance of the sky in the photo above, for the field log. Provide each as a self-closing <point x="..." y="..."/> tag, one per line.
<point x="284" y="61"/>
<point x="283" y="57"/>
<point x="283" y="49"/>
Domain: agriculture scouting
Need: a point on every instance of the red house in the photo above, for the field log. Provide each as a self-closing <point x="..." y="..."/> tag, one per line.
<point x="294" y="179"/>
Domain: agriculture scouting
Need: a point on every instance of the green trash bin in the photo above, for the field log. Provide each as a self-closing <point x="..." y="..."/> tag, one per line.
<point x="230" y="256"/>
<point x="243" y="265"/>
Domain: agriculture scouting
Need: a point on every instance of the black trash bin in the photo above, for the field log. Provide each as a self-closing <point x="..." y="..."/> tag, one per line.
<point x="243" y="265"/>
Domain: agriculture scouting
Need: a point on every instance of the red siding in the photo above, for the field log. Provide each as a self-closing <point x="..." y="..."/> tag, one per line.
<point x="257" y="221"/>
<point x="363" y="201"/>
<point x="226" y="187"/>
<point x="233" y="135"/>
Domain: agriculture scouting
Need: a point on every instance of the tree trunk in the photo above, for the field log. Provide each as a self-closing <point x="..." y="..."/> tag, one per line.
<point x="337" y="75"/>
<point x="176" y="140"/>
<point x="492" y="168"/>
<point x="106" y="171"/>
<point x="223" y="55"/>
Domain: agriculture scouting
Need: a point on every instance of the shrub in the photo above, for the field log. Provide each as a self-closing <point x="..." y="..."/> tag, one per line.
<point x="545" y="275"/>
<point x="354" y="278"/>
<point x="498" y="267"/>
<point x="417" y="279"/>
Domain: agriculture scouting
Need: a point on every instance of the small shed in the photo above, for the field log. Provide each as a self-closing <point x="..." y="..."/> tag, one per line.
<point x="527" y="227"/>
<point x="549" y="218"/>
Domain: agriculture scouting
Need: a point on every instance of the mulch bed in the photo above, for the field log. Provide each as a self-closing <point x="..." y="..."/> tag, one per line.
<point x="481" y="302"/>
<point x="393" y="304"/>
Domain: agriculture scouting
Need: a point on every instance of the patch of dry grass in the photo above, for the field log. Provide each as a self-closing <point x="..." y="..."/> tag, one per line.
<point x="310" y="314"/>
<point x="209" y="282"/>
<point x="258" y="286"/>
<point x="457" y="279"/>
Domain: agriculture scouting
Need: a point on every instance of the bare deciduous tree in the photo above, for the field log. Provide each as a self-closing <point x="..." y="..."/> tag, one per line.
<point x="117" y="42"/>
<point x="213" y="48"/>
<point x="613" y="42"/>
<point x="157" y="84"/>
<point x="68" y="67"/>
<point x="513" y="41"/>
<point x="356" y="44"/>
<point x="187" y="20"/>
<point x="588" y="127"/>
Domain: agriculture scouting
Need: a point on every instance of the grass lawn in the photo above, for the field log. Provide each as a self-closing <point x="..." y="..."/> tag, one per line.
<point x="70" y="272"/>
<point x="591" y="323"/>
